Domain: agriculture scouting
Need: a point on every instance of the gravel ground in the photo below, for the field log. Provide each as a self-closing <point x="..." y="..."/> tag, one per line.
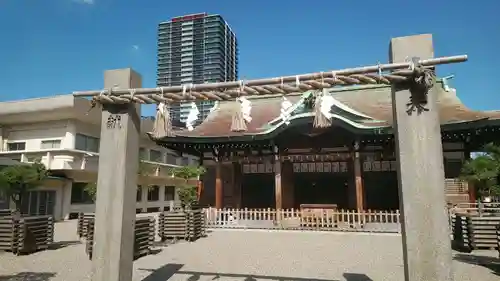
<point x="248" y="255"/>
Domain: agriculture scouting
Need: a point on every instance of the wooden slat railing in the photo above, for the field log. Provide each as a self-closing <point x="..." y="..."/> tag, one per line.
<point x="498" y="240"/>
<point x="9" y="230"/>
<point x="24" y="235"/>
<point x="144" y="236"/>
<point x="82" y="224"/>
<point x="295" y="219"/>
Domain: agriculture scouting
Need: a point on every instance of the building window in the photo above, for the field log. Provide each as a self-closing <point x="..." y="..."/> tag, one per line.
<point x="171" y="159"/>
<point x="86" y="143"/>
<point x="155" y="156"/>
<point x="185" y="161"/>
<point x="142" y="154"/>
<point x="138" y="195"/>
<point x="16" y="146"/>
<point x="169" y="193"/>
<point x="15" y="157"/>
<point x="79" y="195"/>
<point x="49" y="144"/>
<point x="4" y="200"/>
<point x="37" y="203"/>
<point x="153" y="210"/>
<point x="153" y="193"/>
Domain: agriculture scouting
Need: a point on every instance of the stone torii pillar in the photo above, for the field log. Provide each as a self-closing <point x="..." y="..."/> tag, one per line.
<point x="426" y="241"/>
<point x="116" y="185"/>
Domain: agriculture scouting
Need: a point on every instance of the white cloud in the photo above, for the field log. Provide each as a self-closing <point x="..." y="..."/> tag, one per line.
<point x="135" y="47"/>
<point x="87" y="2"/>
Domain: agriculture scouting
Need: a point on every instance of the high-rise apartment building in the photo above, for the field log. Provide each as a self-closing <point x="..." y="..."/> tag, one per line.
<point x="198" y="48"/>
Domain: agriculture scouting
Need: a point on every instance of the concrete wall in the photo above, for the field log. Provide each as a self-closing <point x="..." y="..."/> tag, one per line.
<point x="63" y="206"/>
<point x="33" y="134"/>
<point x="31" y="122"/>
<point x="144" y="204"/>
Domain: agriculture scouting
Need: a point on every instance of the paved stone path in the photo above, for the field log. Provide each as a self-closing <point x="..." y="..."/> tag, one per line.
<point x="249" y="255"/>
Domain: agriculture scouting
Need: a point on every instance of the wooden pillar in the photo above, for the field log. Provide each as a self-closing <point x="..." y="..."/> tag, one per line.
<point x="472" y="192"/>
<point x="116" y="184"/>
<point x="199" y="190"/>
<point x="277" y="182"/>
<point x="470" y="185"/>
<point x="358" y="179"/>
<point x="287" y="185"/>
<point x="426" y="241"/>
<point x="219" y="195"/>
<point x="237" y="178"/>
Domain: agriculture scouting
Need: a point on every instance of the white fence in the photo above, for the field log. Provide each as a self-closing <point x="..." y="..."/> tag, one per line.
<point x="293" y="219"/>
<point x="323" y="219"/>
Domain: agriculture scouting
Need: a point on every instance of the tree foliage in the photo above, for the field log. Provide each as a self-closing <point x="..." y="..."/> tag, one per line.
<point x="144" y="169"/>
<point x="188" y="172"/>
<point x="483" y="171"/>
<point x="91" y="187"/>
<point x="188" y="192"/>
<point x="17" y="180"/>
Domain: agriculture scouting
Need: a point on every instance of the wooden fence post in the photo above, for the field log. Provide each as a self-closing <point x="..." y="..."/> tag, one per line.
<point x="112" y="258"/>
<point x="426" y="240"/>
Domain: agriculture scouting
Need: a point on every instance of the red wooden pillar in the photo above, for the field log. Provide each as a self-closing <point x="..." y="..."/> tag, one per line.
<point x="237" y="177"/>
<point x="199" y="190"/>
<point x="218" y="186"/>
<point x="470" y="185"/>
<point x="277" y="184"/>
<point x="358" y="180"/>
<point x="472" y="192"/>
<point x="277" y="179"/>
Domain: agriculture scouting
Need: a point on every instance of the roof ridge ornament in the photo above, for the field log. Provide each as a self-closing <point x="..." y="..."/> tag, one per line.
<point x="348" y="109"/>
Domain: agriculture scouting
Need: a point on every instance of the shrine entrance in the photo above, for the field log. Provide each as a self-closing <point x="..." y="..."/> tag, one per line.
<point x="257" y="186"/>
<point x="329" y="184"/>
<point x="414" y="114"/>
<point x="380" y="183"/>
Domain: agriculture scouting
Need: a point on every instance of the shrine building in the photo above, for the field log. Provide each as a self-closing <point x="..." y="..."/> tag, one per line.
<point x="282" y="161"/>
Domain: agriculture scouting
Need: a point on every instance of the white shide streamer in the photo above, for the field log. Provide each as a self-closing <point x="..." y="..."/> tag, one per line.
<point x="327" y="101"/>
<point x="192" y="116"/>
<point x="285" y="114"/>
<point x="246" y="109"/>
<point x="213" y="108"/>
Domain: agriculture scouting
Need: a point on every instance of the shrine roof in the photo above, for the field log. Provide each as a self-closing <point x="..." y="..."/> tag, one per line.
<point x="364" y="108"/>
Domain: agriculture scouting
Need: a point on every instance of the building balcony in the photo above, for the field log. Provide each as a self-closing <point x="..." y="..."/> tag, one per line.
<point x="74" y="161"/>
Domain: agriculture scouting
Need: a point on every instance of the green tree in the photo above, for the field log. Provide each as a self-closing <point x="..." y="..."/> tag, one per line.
<point x="17" y="180"/>
<point x="144" y="169"/>
<point x="91" y="187"/>
<point x="483" y="171"/>
<point x="188" y="192"/>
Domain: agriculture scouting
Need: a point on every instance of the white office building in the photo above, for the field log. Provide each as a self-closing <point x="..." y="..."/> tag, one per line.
<point x="58" y="131"/>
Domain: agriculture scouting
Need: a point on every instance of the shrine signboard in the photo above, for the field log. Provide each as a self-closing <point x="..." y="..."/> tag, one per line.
<point x="258" y="168"/>
<point x="320" y="167"/>
<point x="379" y="166"/>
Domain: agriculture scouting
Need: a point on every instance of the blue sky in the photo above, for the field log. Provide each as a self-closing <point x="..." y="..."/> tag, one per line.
<point x="51" y="47"/>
